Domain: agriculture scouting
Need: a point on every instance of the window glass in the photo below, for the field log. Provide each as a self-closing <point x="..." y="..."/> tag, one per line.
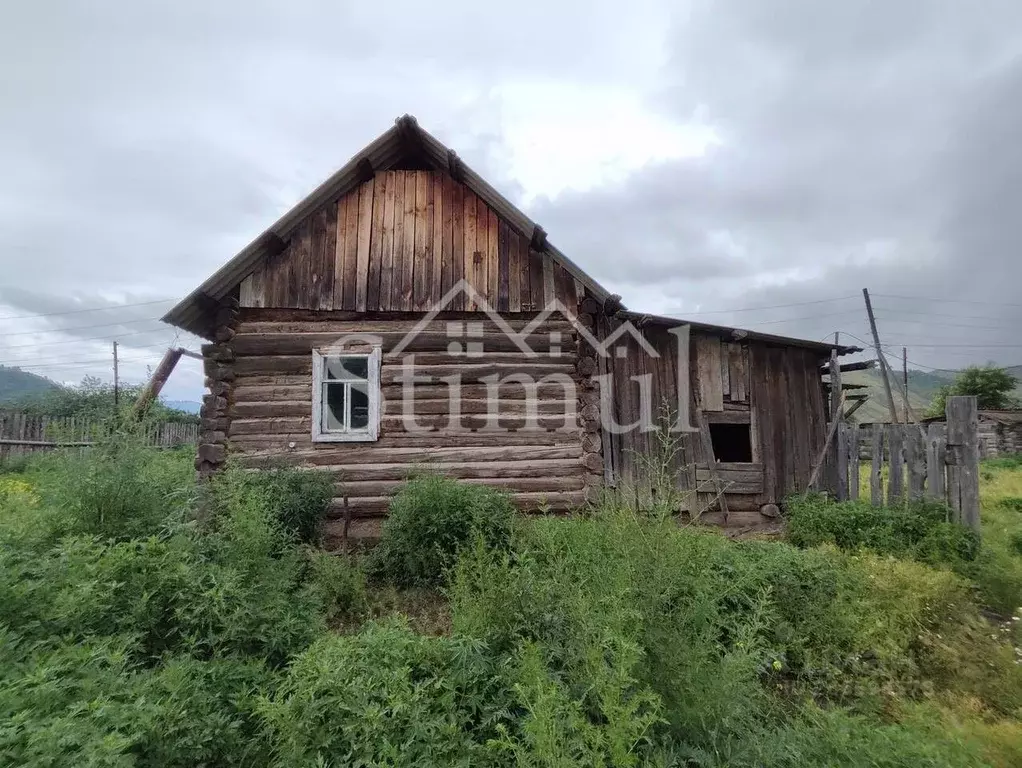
<point x="333" y="406"/>
<point x="347" y="368"/>
<point x="359" y="405"/>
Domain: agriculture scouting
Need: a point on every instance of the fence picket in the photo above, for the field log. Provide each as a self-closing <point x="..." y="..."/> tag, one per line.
<point x="853" y="458"/>
<point x="22" y="433"/>
<point x="876" y="479"/>
<point x="896" y="476"/>
<point x="915" y="460"/>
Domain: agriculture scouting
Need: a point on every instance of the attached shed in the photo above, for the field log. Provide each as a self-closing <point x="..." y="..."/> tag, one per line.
<point x="406" y="316"/>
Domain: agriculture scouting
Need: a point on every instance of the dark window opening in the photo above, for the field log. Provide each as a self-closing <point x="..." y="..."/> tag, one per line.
<point x="731" y="442"/>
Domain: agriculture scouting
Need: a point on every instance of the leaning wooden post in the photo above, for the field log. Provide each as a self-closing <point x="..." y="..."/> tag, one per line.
<point x="155" y="385"/>
<point x="963" y="459"/>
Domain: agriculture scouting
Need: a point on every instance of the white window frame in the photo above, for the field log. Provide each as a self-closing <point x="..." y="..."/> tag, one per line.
<point x="372" y="431"/>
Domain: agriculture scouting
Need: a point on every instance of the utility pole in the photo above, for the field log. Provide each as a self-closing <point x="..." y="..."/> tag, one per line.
<point x="117" y="389"/>
<point x="880" y="357"/>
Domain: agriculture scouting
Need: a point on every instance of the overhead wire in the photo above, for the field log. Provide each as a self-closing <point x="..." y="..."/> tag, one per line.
<point x="90" y="309"/>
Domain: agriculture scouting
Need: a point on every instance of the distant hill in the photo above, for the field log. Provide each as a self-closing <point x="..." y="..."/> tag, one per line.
<point x="16" y="384"/>
<point x="922" y="386"/>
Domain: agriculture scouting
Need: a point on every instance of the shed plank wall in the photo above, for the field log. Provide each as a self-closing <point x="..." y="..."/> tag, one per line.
<point x="774" y="389"/>
<point x="398" y="243"/>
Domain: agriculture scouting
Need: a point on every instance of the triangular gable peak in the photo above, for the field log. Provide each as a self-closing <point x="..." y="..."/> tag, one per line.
<point x="392" y="231"/>
<point x="398" y="242"/>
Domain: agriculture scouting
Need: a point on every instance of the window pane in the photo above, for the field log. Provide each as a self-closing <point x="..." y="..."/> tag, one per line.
<point x="346" y="368"/>
<point x="359" y="405"/>
<point x="333" y="407"/>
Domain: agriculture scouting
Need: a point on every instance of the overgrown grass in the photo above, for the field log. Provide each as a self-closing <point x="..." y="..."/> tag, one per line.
<point x="204" y="630"/>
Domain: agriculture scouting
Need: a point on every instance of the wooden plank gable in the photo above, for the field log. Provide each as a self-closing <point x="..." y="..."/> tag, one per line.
<point x="398" y="243"/>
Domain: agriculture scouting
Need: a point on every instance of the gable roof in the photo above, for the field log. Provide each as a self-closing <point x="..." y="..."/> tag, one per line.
<point x="405" y="140"/>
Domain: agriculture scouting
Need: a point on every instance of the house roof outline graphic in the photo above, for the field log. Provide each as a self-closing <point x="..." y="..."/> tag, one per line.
<point x="520" y="338"/>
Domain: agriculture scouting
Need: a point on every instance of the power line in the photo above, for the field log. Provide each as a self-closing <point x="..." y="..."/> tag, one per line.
<point x="82" y="363"/>
<point x="85" y="339"/>
<point x="807" y="317"/>
<point x="84" y="327"/>
<point x="92" y="309"/>
<point x="938" y="314"/>
<point x="34" y="360"/>
<point x="945" y="300"/>
<point x="775" y="306"/>
<point x="947" y="325"/>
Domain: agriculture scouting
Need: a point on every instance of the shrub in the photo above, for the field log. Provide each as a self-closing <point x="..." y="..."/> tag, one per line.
<point x="202" y="713"/>
<point x="297" y="499"/>
<point x="431" y="520"/>
<point x="919" y="531"/>
<point x="1013" y="503"/>
<point x="387" y="697"/>
<point x="338" y="585"/>
<point x="120" y="489"/>
<point x="69" y="705"/>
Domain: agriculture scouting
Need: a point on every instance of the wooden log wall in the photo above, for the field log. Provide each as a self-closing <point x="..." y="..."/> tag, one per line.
<point x="775" y="390"/>
<point x="398" y="243"/>
<point x="549" y="465"/>
<point x="218" y="365"/>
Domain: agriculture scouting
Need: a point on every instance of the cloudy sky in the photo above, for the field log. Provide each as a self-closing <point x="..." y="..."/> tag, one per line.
<point x="748" y="163"/>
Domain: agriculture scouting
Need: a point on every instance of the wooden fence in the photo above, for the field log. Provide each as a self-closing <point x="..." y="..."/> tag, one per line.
<point x="937" y="461"/>
<point x="22" y="433"/>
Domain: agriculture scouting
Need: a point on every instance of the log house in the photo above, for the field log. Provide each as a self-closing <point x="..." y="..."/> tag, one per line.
<point x="407" y="263"/>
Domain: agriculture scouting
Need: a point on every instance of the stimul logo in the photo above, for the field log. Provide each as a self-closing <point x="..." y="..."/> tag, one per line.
<point x="536" y="373"/>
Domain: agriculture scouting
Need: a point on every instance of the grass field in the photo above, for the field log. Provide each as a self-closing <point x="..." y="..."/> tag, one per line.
<point x="143" y="623"/>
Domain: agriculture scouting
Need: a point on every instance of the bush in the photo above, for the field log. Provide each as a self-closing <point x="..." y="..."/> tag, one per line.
<point x="387" y="697"/>
<point x="119" y="489"/>
<point x="431" y="520"/>
<point x="920" y="531"/>
<point x="297" y="499"/>
<point x="202" y="713"/>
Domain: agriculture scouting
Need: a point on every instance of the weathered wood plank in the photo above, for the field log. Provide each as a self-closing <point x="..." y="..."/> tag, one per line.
<point x="422" y="256"/>
<point x="841" y="489"/>
<point x="458" y="240"/>
<point x="853" y="460"/>
<point x="537" y="281"/>
<point x="915" y="461"/>
<point x="481" y="262"/>
<point x="896" y="478"/>
<point x="376" y="244"/>
<point x="963" y="459"/>
<point x="514" y="269"/>
<point x="436" y="216"/>
<point x="326" y="280"/>
<point x="708" y="361"/>
<point x="340" y="250"/>
<point x="347" y="288"/>
<point x="936" y="453"/>
<point x="492" y="255"/>
<point x="393" y="219"/>
<point x="471" y="252"/>
<point x="503" y="267"/>
<point x="409" y="250"/>
<point x="366" y="199"/>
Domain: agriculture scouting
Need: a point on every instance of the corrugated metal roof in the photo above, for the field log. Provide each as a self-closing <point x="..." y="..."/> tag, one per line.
<point x="736" y="334"/>
<point x="392" y="146"/>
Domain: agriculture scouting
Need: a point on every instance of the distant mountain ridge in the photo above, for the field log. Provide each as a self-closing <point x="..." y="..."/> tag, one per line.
<point x="16" y="384"/>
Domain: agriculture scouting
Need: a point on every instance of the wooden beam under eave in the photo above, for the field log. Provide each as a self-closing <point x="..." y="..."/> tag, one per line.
<point x="865" y="365"/>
